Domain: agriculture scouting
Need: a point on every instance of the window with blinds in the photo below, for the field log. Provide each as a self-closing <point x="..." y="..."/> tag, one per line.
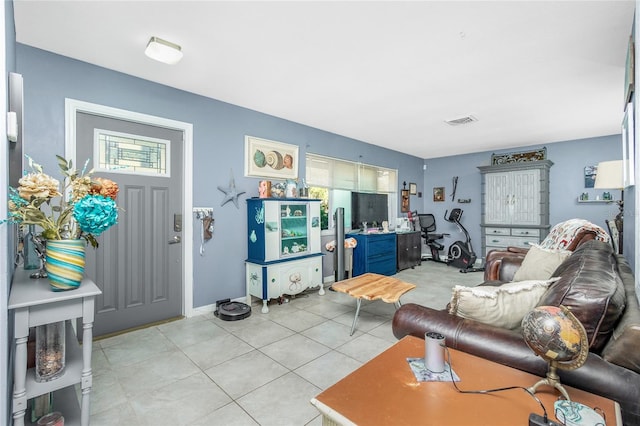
<point x="333" y="173"/>
<point x="332" y="180"/>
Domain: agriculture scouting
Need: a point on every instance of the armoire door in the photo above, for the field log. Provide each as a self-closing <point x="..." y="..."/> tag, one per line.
<point x="513" y="198"/>
<point x="498" y="198"/>
<point x="525" y="189"/>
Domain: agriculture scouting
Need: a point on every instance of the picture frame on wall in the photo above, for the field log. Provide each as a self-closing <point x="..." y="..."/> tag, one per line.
<point x="405" y="205"/>
<point x="629" y="72"/>
<point x="438" y="193"/>
<point x="267" y="158"/>
<point x="413" y="188"/>
<point x="590" y="175"/>
<point x="628" y="146"/>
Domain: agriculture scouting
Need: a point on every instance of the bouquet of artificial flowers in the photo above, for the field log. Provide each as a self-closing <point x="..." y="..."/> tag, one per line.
<point x="85" y="207"/>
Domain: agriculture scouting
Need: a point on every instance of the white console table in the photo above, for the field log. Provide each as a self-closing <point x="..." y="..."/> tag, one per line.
<point x="33" y="304"/>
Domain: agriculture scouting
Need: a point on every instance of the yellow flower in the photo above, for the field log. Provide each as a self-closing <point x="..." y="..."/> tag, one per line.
<point x="80" y="187"/>
<point x="38" y="185"/>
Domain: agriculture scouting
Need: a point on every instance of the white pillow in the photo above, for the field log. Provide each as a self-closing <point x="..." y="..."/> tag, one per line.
<point x="539" y="263"/>
<point x="502" y="306"/>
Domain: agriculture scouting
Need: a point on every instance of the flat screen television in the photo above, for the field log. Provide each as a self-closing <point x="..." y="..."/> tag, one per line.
<point x="370" y="208"/>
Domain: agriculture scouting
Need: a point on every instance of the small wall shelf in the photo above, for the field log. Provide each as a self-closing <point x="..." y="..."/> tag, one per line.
<point x="596" y="201"/>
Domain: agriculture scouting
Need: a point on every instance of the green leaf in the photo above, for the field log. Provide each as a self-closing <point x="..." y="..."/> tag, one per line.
<point x="62" y="163"/>
<point x="92" y="240"/>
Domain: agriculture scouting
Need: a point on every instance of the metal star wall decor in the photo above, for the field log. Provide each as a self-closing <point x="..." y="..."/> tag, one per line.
<point x="230" y="192"/>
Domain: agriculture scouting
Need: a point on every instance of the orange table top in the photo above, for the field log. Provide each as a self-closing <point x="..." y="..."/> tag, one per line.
<point x="384" y="391"/>
<point x="371" y="286"/>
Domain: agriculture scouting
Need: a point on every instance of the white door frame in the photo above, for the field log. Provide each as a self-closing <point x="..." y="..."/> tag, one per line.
<point x="73" y="106"/>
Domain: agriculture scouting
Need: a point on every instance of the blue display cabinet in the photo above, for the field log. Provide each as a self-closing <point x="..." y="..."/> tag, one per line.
<point x="283" y="240"/>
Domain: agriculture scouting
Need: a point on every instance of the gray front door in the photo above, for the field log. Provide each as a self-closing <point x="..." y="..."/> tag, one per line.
<point x="138" y="265"/>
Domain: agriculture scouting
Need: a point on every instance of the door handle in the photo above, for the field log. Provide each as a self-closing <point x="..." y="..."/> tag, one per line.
<point x="175" y="240"/>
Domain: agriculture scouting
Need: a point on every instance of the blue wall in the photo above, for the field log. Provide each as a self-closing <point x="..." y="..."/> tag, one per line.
<point x="219" y="129"/>
<point x="566" y="184"/>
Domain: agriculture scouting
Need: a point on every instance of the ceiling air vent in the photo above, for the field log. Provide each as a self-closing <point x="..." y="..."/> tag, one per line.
<point x="467" y="119"/>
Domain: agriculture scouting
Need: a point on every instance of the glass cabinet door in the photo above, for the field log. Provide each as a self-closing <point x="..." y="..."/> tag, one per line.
<point x="294" y="234"/>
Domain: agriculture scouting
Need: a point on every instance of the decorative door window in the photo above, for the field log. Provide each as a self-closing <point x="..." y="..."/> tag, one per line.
<point x="116" y="152"/>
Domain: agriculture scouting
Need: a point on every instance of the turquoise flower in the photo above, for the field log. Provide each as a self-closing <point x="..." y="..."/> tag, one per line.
<point x="15" y="204"/>
<point x="95" y="214"/>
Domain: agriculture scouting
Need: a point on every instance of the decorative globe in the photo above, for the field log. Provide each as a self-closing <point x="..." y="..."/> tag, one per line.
<point x="555" y="334"/>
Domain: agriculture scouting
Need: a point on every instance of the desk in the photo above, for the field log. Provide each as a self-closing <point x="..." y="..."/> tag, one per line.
<point x="373" y="287"/>
<point x="35" y="304"/>
<point x="384" y="391"/>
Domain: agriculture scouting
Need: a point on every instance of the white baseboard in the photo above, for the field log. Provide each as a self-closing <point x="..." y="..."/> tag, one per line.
<point x="208" y="309"/>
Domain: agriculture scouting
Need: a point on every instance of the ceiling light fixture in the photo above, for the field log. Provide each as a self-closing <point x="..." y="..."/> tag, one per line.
<point x="163" y="51"/>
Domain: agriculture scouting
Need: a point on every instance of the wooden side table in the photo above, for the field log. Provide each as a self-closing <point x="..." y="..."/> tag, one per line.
<point x="371" y="286"/>
<point x="33" y="304"/>
<point x="384" y="391"/>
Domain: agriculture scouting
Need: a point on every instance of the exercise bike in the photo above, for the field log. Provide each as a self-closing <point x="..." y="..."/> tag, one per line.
<point x="461" y="254"/>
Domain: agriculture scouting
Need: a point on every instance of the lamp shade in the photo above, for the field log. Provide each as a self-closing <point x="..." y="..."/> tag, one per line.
<point x="610" y="175"/>
<point x="163" y="51"/>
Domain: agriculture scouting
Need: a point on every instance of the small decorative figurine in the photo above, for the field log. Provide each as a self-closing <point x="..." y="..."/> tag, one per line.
<point x="264" y="189"/>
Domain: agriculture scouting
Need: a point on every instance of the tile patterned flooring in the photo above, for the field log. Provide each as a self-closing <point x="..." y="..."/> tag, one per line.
<point x="262" y="370"/>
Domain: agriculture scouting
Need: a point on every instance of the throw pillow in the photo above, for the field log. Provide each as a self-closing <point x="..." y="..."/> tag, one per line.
<point x="502" y="306"/>
<point x="539" y="263"/>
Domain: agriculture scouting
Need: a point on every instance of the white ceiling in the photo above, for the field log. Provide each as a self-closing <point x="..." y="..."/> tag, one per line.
<point x="388" y="73"/>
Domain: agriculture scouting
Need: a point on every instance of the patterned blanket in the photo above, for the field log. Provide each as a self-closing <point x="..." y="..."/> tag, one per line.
<point x="562" y="235"/>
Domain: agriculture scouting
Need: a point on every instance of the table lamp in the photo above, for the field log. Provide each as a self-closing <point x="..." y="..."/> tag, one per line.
<point x="610" y="175"/>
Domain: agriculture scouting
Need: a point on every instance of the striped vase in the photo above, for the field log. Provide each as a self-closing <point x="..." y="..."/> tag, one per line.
<point x="65" y="263"/>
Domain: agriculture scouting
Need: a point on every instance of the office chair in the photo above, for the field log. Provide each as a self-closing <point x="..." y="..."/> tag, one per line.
<point x="427" y="223"/>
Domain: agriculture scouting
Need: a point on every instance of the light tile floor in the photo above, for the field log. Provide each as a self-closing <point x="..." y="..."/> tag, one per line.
<point x="262" y="370"/>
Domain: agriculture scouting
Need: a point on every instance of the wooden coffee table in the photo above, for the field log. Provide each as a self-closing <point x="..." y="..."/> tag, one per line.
<point x="384" y="391"/>
<point x="373" y="287"/>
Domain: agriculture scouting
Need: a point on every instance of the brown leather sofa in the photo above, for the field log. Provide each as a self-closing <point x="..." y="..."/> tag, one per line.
<point x="493" y="262"/>
<point x="599" y="287"/>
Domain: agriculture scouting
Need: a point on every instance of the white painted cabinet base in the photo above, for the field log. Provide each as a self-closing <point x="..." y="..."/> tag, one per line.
<point x="497" y="238"/>
<point x="270" y="281"/>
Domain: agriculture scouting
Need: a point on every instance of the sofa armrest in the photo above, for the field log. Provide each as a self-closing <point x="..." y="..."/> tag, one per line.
<point x="497" y="344"/>
<point x="508" y="348"/>
<point x="581" y="237"/>
<point x="494" y="258"/>
<point x="508" y="268"/>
